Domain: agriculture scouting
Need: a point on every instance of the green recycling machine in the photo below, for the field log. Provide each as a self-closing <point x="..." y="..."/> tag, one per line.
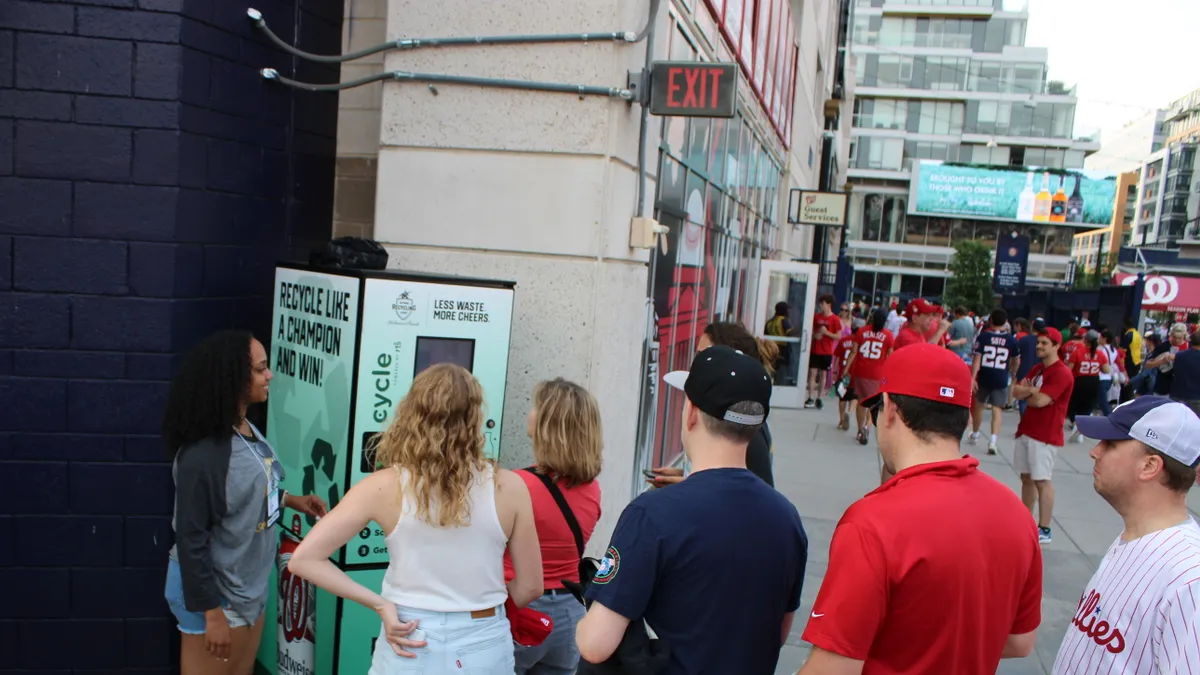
<point x="345" y="346"/>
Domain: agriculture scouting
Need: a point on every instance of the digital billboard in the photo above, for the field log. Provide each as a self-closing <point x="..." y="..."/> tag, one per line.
<point x="1023" y="194"/>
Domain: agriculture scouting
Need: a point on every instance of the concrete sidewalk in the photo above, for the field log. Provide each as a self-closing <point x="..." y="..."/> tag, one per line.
<point x="823" y="471"/>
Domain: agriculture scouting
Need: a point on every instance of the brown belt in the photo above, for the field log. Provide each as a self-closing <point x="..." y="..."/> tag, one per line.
<point x="483" y="613"/>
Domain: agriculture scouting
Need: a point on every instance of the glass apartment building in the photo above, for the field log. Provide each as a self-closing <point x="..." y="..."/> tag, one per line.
<point x="1183" y="118"/>
<point x="948" y="80"/>
<point x="1168" y="206"/>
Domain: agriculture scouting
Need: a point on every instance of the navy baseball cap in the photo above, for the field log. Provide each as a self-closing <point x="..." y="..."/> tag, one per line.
<point x="721" y="377"/>
<point x="1164" y="424"/>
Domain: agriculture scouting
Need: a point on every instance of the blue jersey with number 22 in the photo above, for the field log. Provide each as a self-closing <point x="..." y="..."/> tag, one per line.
<point x="996" y="351"/>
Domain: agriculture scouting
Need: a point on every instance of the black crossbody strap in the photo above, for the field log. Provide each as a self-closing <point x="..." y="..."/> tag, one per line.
<point x="561" y="500"/>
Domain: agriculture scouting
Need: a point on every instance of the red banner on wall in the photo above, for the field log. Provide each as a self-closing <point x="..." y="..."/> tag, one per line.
<point x="1166" y="293"/>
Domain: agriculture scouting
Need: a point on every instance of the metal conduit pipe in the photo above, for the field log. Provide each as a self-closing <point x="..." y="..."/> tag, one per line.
<point x="648" y="33"/>
<point x="407" y="44"/>
<point x="580" y="90"/>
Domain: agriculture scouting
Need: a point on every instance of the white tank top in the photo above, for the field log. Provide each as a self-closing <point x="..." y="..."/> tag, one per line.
<point x="448" y="569"/>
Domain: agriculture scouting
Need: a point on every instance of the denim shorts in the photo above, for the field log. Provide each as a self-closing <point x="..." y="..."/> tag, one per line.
<point x="558" y="655"/>
<point x="457" y="645"/>
<point x="192" y="623"/>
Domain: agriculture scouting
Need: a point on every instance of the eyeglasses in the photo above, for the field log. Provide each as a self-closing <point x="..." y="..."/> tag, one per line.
<point x="874" y="410"/>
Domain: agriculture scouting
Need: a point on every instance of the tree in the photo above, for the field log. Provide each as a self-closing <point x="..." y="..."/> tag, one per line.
<point x="970" y="282"/>
<point x="1089" y="279"/>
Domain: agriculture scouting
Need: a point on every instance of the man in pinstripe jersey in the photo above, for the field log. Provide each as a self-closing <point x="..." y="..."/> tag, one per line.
<point x="1140" y="613"/>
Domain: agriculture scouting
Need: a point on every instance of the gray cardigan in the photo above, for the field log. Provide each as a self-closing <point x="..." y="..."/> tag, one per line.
<point x="223" y="544"/>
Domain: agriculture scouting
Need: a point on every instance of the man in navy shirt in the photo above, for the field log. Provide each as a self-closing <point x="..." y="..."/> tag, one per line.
<point x="996" y="357"/>
<point x="1185" y="385"/>
<point x="714" y="564"/>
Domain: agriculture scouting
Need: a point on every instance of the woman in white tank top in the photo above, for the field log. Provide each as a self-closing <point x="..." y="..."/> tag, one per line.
<point x="450" y="515"/>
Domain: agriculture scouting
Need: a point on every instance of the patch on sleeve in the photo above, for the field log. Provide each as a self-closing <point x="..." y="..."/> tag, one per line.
<point x="609" y="565"/>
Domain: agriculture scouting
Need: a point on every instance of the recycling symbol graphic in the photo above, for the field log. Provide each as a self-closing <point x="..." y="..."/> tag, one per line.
<point x="322" y="459"/>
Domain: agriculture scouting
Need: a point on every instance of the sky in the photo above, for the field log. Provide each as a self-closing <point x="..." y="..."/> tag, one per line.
<point x="1126" y="56"/>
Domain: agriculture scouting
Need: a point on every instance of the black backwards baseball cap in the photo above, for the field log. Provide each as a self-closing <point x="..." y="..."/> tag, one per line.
<point x="721" y="377"/>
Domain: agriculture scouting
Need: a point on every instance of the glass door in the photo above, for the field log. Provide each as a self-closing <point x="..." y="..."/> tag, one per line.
<point x="795" y="284"/>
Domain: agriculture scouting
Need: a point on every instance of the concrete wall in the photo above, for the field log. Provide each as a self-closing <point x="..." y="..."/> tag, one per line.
<point x="447" y="200"/>
<point x="364" y="24"/>
<point x="816" y="37"/>
<point x="149" y="179"/>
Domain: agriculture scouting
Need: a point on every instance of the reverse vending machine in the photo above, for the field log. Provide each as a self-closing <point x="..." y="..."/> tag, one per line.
<point x="345" y="346"/>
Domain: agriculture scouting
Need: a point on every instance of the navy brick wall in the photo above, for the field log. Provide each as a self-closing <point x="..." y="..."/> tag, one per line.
<point x="149" y="179"/>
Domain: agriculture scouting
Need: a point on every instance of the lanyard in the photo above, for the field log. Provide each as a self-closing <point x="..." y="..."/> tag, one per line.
<point x="254" y="453"/>
<point x="272" y="495"/>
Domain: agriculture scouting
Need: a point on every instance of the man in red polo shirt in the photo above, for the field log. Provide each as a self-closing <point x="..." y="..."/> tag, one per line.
<point x="1046" y="391"/>
<point x="925" y="325"/>
<point x="904" y="592"/>
<point x="922" y="325"/>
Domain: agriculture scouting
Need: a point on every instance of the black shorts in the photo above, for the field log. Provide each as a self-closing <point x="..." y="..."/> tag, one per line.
<point x="820" y="361"/>
<point x="850" y="395"/>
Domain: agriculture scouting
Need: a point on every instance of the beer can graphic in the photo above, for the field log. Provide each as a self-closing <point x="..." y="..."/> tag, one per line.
<point x="297" y="616"/>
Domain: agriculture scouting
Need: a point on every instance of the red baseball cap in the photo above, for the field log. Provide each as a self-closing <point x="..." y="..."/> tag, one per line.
<point x="1053" y="334"/>
<point x="528" y="626"/>
<point x="926" y="371"/>
<point x="922" y="306"/>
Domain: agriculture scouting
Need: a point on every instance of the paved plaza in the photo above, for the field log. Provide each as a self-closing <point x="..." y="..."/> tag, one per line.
<point x="823" y="470"/>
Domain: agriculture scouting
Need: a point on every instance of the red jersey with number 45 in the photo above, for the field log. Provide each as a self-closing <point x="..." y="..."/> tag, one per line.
<point x="873" y="347"/>
<point x="1086" y="364"/>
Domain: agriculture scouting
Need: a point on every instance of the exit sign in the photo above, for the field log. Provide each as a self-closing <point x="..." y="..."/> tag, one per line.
<point x="693" y="89"/>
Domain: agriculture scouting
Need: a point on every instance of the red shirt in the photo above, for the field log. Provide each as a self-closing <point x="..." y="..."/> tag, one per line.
<point x="824" y="346"/>
<point x="873" y="348"/>
<point x="909" y="336"/>
<point x="844" y="349"/>
<point x="560" y="558"/>
<point x="908" y="598"/>
<point x="1045" y="424"/>
<point x="1086" y="364"/>
<point x="1067" y="349"/>
<point x="933" y="331"/>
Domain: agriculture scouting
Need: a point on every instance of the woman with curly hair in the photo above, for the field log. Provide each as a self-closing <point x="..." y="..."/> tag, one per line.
<point x="227" y="499"/>
<point x="450" y="515"/>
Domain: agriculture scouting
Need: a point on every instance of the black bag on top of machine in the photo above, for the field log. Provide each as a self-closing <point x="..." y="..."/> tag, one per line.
<point x="351" y="253"/>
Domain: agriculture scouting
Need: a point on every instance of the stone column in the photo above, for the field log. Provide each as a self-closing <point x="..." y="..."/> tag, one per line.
<point x="534" y="187"/>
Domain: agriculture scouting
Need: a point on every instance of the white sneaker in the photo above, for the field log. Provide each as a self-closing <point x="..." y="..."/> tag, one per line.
<point x="992" y="447"/>
<point x="973" y="438"/>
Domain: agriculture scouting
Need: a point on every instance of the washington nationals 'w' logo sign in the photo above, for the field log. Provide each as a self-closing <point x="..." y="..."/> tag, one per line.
<point x="1160" y="290"/>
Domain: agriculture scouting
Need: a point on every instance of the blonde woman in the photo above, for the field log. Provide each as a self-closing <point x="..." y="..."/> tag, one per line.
<point x="450" y="515"/>
<point x="567" y="444"/>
